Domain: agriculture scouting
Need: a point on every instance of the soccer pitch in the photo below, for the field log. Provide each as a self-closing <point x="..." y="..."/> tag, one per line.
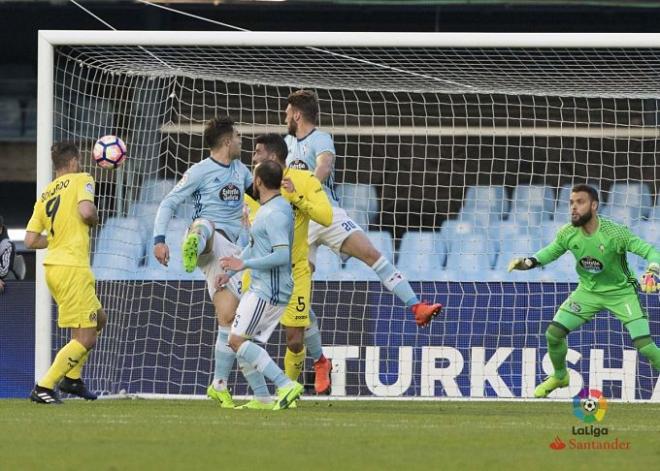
<point x="174" y="434"/>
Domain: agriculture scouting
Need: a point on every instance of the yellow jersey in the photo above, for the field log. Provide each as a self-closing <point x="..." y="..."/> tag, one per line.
<point x="309" y="202"/>
<point x="56" y="212"/>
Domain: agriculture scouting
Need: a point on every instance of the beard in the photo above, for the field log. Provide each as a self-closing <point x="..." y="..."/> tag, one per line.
<point x="292" y="128"/>
<point x="582" y="220"/>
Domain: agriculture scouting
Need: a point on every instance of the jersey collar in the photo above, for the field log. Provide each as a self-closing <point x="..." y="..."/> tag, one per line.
<point x="219" y="163"/>
<point x="308" y="134"/>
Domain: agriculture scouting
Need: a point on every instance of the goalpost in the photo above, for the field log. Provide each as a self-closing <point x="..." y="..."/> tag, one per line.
<point x="453" y="151"/>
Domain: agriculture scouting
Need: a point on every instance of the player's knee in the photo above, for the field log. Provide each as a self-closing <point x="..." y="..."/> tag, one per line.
<point x="555" y="335"/>
<point x="295" y="346"/>
<point x="101" y="320"/>
<point x="235" y="342"/>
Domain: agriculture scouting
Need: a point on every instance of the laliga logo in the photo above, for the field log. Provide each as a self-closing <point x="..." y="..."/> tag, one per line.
<point x="590" y="406"/>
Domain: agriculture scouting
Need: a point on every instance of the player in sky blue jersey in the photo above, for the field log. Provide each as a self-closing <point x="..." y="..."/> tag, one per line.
<point x="216" y="185"/>
<point x="268" y="256"/>
<point x="314" y="150"/>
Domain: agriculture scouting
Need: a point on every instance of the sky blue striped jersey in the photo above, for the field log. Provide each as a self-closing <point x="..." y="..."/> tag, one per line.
<point x="272" y="227"/>
<point x="217" y="193"/>
<point x="303" y="153"/>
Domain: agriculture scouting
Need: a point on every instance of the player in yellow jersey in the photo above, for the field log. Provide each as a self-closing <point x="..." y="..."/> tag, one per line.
<point x="305" y="193"/>
<point x="65" y="211"/>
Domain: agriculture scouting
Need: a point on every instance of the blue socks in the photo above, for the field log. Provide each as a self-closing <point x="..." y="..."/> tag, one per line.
<point x="224" y="358"/>
<point x="204" y="231"/>
<point x="256" y="380"/>
<point x="258" y="358"/>
<point x="394" y="281"/>
<point x="313" y="342"/>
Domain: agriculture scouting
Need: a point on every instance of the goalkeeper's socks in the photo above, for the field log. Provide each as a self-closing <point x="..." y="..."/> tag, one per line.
<point x="76" y="371"/>
<point x="652" y="353"/>
<point x="557" y="350"/>
<point x="224" y="356"/>
<point x="204" y="231"/>
<point x="65" y="360"/>
<point x="259" y="359"/>
<point x="255" y="380"/>
<point x="293" y="363"/>
<point x="394" y="281"/>
<point x="313" y="342"/>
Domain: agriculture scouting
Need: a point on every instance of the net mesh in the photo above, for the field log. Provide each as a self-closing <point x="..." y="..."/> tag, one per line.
<point x="452" y="160"/>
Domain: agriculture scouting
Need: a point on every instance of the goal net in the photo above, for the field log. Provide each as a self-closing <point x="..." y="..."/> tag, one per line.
<point x="452" y="159"/>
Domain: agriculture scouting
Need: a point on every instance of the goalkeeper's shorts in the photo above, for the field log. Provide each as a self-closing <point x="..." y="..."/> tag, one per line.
<point x="582" y="305"/>
<point x="73" y="290"/>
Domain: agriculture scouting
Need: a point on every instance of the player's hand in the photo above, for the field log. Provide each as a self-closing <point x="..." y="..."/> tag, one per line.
<point x="231" y="263"/>
<point x="521" y="263"/>
<point x="245" y="217"/>
<point x="650" y="280"/>
<point x="287" y="185"/>
<point x="221" y="281"/>
<point x="162" y="253"/>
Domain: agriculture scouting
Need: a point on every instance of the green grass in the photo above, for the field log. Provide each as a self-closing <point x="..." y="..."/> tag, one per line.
<point x="141" y="434"/>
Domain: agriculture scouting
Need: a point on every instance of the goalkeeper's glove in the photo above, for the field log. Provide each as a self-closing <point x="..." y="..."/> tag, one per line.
<point x="522" y="263"/>
<point x="651" y="278"/>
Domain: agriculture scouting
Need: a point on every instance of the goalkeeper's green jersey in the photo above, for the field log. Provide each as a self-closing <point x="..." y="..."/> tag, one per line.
<point x="601" y="262"/>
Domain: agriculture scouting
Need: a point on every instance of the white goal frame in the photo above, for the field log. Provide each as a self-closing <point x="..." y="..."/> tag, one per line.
<point x="49" y="39"/>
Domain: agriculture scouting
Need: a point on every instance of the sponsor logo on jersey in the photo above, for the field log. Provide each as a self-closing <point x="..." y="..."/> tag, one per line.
<point x="230" y="193"/>
<point x="591" y="265"/>
<point x="299" y="164"/>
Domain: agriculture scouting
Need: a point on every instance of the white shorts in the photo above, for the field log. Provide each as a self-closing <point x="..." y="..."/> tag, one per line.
<point x="256" y="318"/>
<point x="333" y="236"/>
<point x="210" y="264"/>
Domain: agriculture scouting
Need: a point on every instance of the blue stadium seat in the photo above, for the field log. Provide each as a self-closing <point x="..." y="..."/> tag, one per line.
<point x="561" y="270"/>
<point x="357" y="270"/>
<point x="360" y="202"/>
<point x="119" y="249"/>
<point x="471" y="258"/>
<point x="422" y="255"/>
<point x="328" y="265"/>
<point x="532" y="205"/>
<point x="484" y="205"/>
<point x="10" y="117"/>
<point x="176" y="231"/>
<point x="514" y="241"/>
<point x="628" y="201"/>
<point x="146" y="214"/>
<point x="154" y="191"/>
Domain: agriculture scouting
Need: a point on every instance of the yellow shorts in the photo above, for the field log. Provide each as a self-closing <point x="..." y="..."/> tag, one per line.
<point x="297" y="311"/>
<point x="73" y="290"/>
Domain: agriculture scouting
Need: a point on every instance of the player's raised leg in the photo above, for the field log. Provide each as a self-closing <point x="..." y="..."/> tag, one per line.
<point x="198" y="240"/>
<point x="358" y="245"/>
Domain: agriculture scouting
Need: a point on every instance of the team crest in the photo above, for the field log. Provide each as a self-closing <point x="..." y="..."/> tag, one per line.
<point x="601" y="247"/>
<point x="575" y="307"/>
<point x="92" y="317"/>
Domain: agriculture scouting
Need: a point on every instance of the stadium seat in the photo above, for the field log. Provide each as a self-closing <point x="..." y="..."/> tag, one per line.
<point x="484" y="205"/>
<point x="10" y="117"/>
<point x="360" y="202"/>
<point x="176" y="231"/>
<point x="356" y="270"/>
<point x="328" y="265"/>
<point x="154" y="191"/>
<point x="471" y="258"/>
<point x="561" y="270"/>
<point x="146" y="214"/>
<point x="635" y="197"/>
<point x="119" y="249"/>
<point x="422" y="256"/>
<point x="515" y="241"/>
<point x="532" y="205"/>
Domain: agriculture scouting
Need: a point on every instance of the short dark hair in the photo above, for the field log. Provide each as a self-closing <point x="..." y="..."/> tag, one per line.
<point x="274" y="143"/>
<point x="216" y="129"/>
<point x="590" y="190"/>
<point x="306" y="102"/>
<point x="62" y="153"/>
<point x="270" y="173"/>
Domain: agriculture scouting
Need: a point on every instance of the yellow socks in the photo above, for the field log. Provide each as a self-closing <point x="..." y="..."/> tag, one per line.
<point x="66" y="359"/>
<point x="76" y="371"/>
<point x="293" y="363"/>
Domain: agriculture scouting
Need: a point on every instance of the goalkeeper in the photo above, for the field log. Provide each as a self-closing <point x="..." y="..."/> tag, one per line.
<point x="606" y="283"/>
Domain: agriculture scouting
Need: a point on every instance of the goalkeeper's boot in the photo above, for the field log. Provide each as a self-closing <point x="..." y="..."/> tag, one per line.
<point x="77" y="388"/>
<point x="322" y="369"/>
<point x="223" y="398"/>
<point x="42" y="395"/>
<point x="288" y="395"/>
<point x="425" y="312"/>
<point x="256" y="404"/>
<point x="189" y="250"/>
<point x="550" y="384"/>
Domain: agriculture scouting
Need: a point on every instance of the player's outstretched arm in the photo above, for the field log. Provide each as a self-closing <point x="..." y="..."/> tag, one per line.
<point x="312" y="201"/>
